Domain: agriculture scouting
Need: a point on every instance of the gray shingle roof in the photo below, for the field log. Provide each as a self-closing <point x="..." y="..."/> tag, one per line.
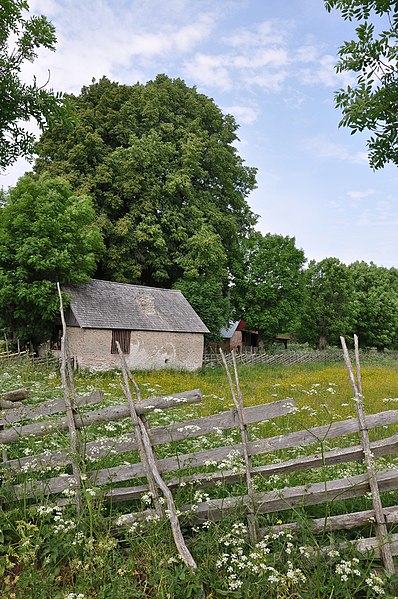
<point x="108" y="305"/>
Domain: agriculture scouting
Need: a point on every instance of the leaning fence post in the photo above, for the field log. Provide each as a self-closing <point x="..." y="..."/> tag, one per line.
<point x="152" y="468"/>
<point x="238" y="401"/>
<point x="137" y="432"/>
<point x="381" y="527"/>
<point x="68" y="391"/>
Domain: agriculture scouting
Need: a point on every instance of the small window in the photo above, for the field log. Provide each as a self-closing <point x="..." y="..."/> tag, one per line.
<point x="124" y="341"/>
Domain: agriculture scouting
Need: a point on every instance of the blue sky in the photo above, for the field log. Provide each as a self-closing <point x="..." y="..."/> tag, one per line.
<point x="269" y="63"/>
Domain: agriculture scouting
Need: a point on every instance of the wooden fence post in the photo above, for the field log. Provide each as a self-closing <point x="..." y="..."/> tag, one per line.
<point x="69" y="393"/>
<point x="238" y="401"/>
<point x="137" y="432"/>
<point x="151" y="467"/>
<point x="381" y="527"/>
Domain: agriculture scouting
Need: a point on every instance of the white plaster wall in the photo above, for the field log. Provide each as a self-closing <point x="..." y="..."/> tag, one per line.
<point x="148" y="350"/>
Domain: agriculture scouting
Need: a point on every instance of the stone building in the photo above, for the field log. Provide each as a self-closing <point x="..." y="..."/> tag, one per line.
<point x="156" y="328"/>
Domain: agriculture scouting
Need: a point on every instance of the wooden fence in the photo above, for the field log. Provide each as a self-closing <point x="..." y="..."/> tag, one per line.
<point x="26" y="356"/>
<point x="287" y="357"/>
<point x="124" y="480"/>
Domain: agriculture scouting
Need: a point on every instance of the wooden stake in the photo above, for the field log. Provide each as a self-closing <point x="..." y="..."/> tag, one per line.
<point x="137" y="431"/>
<point x="153" y="470"/>
<point x="381" y="527"/>
<point x="238" y="401"/>
<point x="68" y="391"/>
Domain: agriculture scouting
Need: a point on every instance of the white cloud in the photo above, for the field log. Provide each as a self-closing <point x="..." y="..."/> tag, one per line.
<point x="382" y="213"/>
<point x="266" y="57"/>
<point x="243" y="114"/>
<point x="209" y="70"/>
<point x="322" y="147"/>
<point x="266" y="33"/>
<point x="360" y="195"/>
<point x="269" y="81"/>
<point x="308" y="53"/>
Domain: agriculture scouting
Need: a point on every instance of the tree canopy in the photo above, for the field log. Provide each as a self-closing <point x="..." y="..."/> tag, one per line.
<point x="20" y="38"/>
<point x="327" y="308"/>
<point x="371" y="104"/>
<point x="375" y="305"/>
<point x="47" y="234"/>
<point x="268" y="287"/>
<point x="160" y="163"/>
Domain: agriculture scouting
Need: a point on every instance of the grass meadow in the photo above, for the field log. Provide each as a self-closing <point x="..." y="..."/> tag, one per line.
<point x="48" y="552"/>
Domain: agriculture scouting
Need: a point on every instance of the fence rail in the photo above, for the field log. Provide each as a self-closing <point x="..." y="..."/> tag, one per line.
<point x="47" y="360"/>
<point x="287" y="357"/>
<point x="126" y="481"/>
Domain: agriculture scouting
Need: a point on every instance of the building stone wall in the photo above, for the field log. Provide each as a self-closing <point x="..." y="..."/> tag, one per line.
<point x="91" y="349"/>
<point x="236" y="342"/>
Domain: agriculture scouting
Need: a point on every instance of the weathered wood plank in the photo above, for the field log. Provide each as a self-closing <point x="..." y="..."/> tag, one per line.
<point x="195" y="459"/>
<point x="371" y="544"/>
<point x="322" y="433"/>
<point x="125" y="473"/>
<point x="291" y="497"/>
<point x="388" y="446"/>
<point x="129" y="472"/>
<point x="172" y="432"/>
<point x="287" y="441"/>
<point x="16" y="395"/>
<point x="6" y="405"/>
<point x="214" y="509"/>
<point x="48" y="408"/>
<point x="335" y="456"/>
<point x="339" y="522"/>
<point x="107" y="414"/>
<point x="222" y="421"/>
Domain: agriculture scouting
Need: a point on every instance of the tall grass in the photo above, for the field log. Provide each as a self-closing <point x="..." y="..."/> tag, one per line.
<point x="49" y="552"/>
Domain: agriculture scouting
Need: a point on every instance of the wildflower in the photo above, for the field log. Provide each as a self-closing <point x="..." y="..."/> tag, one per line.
<point x="133" y="528"/>
<point x="345" y="569"/>
<point x="189" y="428"/>
<point x="375" y="583"/>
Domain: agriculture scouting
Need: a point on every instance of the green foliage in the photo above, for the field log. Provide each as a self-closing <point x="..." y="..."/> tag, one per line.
<point x="160" y="163"/>
<point x="47" y="234"/>
<point x="375" y="305"/>
<point x="371" y="103"/>
<point x="268" y="286"/>
<point x="204" y="280"/>
<point x="327" y="309"/>
<point x="20" y="38"/>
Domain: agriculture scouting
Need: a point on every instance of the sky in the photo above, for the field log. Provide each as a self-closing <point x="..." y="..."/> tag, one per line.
<point x="269" y="63"/>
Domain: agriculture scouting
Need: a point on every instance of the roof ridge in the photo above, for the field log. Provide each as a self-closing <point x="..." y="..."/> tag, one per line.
<point x="129" y="285"/>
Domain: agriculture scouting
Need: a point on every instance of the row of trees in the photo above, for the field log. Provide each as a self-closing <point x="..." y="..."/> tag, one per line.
<point x="143" y="184"/>
<point x="48" y="234"/>
<point x="341" y="300"/>
<point x="316" y="303"/>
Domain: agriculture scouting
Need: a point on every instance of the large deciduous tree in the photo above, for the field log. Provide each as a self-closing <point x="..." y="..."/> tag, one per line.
<point x="160" y="163"/>
<point x="20" y="38"/>
<point x="47" y="234"/>
<point x="268" y="287"/>
<point x="375" y="305"/>
<point x="371" y="104"/>
<point x="327" y="307"/>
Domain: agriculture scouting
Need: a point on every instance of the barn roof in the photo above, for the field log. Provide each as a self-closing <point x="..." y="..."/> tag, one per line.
<point x="108" y="305"/>
<point x="226" y="333"/>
